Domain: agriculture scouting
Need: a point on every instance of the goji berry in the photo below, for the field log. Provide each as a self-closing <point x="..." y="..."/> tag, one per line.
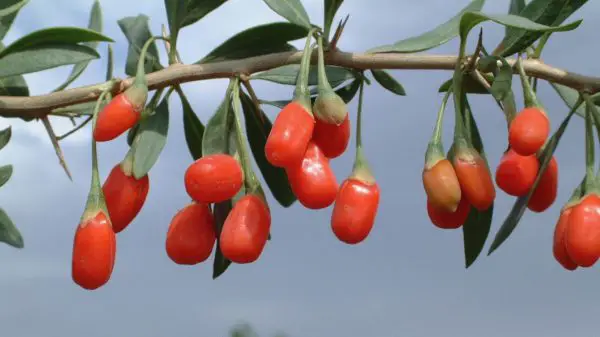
<point x="191" y="235"/>
<point x="547" y="189"/>
<point x="474" y="178"/>
<point x="582" y="236"/>
<point x="528" y="131"/>
<point x="516" y="173"/>
<point x="214" y="178"/>
<point x="355" y="210"/>
<point x="332" y="139"/>
<point x="449" y="220"/>
<point x="125" y="196"/>
<point x="442" y="186"/>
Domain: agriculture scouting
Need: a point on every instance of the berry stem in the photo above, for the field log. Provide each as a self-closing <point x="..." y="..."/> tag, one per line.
<point x="323" y="82"/>
<point x="528" y="93"/>
<point x="589" y="151"/>
<point x="301" y="92"/>
<point x="437" y="130"/>
<point x="140" y="75"/>
<point x="95" y="201"/>
<point x="361" y="170"/>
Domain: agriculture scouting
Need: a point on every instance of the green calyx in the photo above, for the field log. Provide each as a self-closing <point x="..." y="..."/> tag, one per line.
<point x="95" y="202"/>
<point x="529" y="95"/>
<point x="575" y="197"/>
<point x="127" y="163"/>
<point x="329" y="107"/>
<point x="301" y="92"/>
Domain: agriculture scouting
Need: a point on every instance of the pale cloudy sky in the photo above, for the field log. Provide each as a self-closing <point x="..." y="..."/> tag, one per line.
<point x="407" y="279"/>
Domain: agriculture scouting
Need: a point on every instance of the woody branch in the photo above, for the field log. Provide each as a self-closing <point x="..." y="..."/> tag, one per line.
<point x="41" y="105"/>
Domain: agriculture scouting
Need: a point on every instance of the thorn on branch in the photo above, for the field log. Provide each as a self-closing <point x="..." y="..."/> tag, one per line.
<point x="57" y="149"/>
<point x="338" y="33"/>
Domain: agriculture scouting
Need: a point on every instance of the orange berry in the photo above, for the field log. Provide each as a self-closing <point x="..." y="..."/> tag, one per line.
<point x="442" y="186"/>
<point x="528" y="131"/>
<point x="246" y="230"/>
<point x="94" y="251"/>
<point x="474" y="178"/>
<point x="191" y="235"/>
<point x="516" y="173"/>
<point x="214" y="178"/>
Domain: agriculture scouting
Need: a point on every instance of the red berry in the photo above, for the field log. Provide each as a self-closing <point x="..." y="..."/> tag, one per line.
<point x="528" y="131"/>
<point x="118" y="116"/>
<point x="449" y="220"/>
<point x="191" y="235"/>
<point x="516" y="173"/>
<point x="582" y="236"/>
<point x="545" y="193"/>
<point x="214" y="178"/>
<point x="354" y="210"/>
<point x="332" y="139"/>
<point x="125" y="196"/>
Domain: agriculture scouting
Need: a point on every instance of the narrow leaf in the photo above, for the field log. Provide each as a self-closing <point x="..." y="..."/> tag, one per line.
<point x="10" y="9"/>
<point x="545" y="12"/>
<point x="5" y="136"/>
<point x="388" y="82"/>
<point x="137" y="32"/>
<point x="220" y="263"/>
<point x="44" y="57"/>
<point x="519" y="207"/>
<point x="569" y="96"/>
<point x="5" y="174"/>
<point x="150" y="139"/>
<point x="9" y="233"/>
<point x="472" y="19"/>
<point x="331" y="8"/>
<point x="192" y="127"/>
<point x="433" y="38"/>
<point x="288" y="74"/>
<point x="258" y="40"/>
<point x="95" y="24"/>
<point x="292" y="10"/>
<point x="516" y="6"/>
<point x="216" y="133"/>
<point x="55" y="35"/>
<point x="470" y="85"/>
<point x="258" y="127"/>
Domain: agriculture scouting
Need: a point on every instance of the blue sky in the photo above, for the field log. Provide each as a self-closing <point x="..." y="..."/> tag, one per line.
<point x="406" y="279"/>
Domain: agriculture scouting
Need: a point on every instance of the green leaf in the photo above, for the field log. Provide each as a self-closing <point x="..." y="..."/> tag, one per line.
<point x="502" y="84"/>
<point x="150" y="139"/>
<point x="258" y="127"/>
<point x="470" y="85"/>
<point x="192" y="128"/>
<point x="258" y="40"/>
<point x="109" y="64"/>
<point x="5" y="174"/>
<point x="137" y="32"/>
<point x="472" y="19"/>
<point x="388" y="82"/>
<point x="176" y="11"/>
<point x="54" y="35"/>
<point x="182" y="13"/>
<point x="220" y="264"/>
<point x="291" y="10"/>
<point x="9" y="233"/>
<point x="331" y="8"/>
<point x="433" y="38"/>
<point x="477" y="227"/>
<point x="545" y="12"/>
<point x="131" y="134"/>
<point x="520" y="205"/>
<point x="14" y="85"/>
<point x="569" y="96"/>
<point x="95" y="24"/>
<point x="10" y="9"/>
<point x="516" y="6"/>
<point x="288" y="74"/>
<point x="218" y="128"/>
<point x="44" y="57"/>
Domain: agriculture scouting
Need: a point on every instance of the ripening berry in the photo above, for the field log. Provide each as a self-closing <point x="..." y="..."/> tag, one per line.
<point x="125" y="196"/>
<point x="516" y="173"/>
<point x="312" y="180"/>
<point x="120" y="114"/>
<point x="214" y="178"/>
<point x="329" y="107"/>
<point x="292" y="130"/>
<point x="191" y="235"/>
<point x="474" y="178"/>
<point x="94" y="251"/>
<point x="449" y="220"/>
<point x="332" y="139"/>
<point x="355" y="210"/>
<point x="246" y="230"/>
<point x="545" y="193"/>
<point x="528" y="131"/>
<point x="442" y="186"/>
<point x="559" y="249"/>
<point x="582" y="236"/>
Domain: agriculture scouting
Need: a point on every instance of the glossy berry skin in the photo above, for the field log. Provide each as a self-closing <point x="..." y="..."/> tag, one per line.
<point x="355" y="210"/>
<point x="582" y="236"/>
<point x="528" y="131"/>
<point x="559" y="249"/>
<point x="449" y="220"/>
<point x="545" y="194"/>
<point x="118" y="116"/>
<point x="312" y="180"/>
<point x="213" y="178"/>
<point x="94" y="251"/>
<point x="125" y="196"/>
<point x="442" y="186"/>
<point x="246" y="230"/>
<point x="332" y="139"/>
<point x="191" y="235"/>
<point x="289" y="136"/>
<point x="475" y="180"/>
<point x="516" y="173"/>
